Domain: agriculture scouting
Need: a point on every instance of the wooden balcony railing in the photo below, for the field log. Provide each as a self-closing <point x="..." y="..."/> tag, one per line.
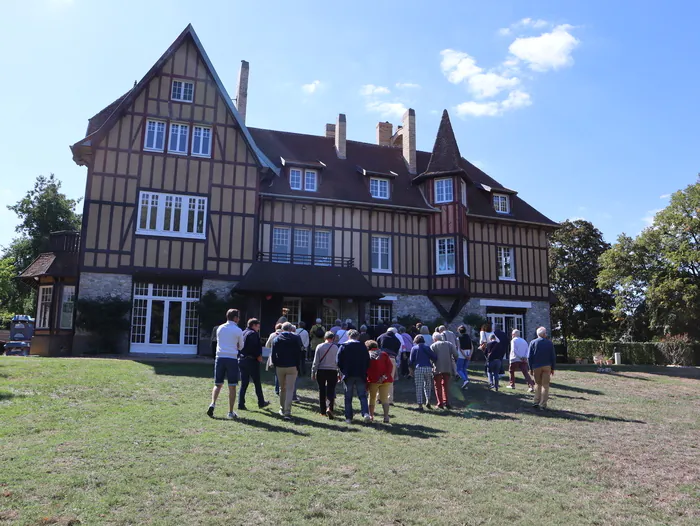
<point x="305" y="259"/>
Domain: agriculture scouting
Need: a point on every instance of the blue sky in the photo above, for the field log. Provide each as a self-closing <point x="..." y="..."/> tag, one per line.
<point x="586" y="108"/>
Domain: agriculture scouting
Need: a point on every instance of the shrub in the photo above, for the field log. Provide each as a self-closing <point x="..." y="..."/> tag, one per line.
<point x="106" y="319"/>
<point x="212" y="311"/>
<point x="408" y="320"/>
<point x="475" y="321"/>
<point x="635" y="353"/>
<point x="677" y="349"/>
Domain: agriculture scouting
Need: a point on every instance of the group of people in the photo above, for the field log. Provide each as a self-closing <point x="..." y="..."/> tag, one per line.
<point x="368" y="364"/>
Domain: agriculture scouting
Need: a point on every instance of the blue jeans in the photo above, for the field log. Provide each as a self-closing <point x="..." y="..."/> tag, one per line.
<point x="494" y="372"/>
<point x="462" y="366"/>
<point x="359" y="384"/>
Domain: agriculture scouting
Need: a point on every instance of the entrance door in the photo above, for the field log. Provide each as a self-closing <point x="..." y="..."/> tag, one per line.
<point x="507" y="322"/>
<point x="164" y="318"/>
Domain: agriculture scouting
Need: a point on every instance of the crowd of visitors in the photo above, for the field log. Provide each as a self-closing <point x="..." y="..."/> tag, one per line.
<point x="368" y="361"/>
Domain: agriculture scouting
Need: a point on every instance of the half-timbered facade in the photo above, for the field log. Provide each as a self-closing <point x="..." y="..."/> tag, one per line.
<point x="183" y="198"/>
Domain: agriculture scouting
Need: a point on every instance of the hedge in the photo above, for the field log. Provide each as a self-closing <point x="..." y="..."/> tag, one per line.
<point x="634" y="353"/>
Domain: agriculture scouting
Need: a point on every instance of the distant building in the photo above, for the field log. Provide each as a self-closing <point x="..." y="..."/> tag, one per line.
<point x="183" y="198"/>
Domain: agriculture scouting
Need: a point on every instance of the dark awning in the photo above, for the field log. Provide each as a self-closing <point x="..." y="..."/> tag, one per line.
<point x="54" y="264"/>
<point x="306" y="280"/>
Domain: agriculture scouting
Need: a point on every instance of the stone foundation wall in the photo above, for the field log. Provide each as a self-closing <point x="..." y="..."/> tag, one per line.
<point x="537" y="316"/>
<point x="221" y="288"/>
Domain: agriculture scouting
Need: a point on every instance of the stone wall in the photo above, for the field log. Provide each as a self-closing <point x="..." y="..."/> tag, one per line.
<point x="537" y="316"/>
<point x="220" y="287"/>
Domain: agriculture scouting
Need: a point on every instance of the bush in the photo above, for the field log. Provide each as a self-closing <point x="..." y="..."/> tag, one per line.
<point x="212" y="311"/>
<point x="106" y="319"/>
<point x="409" y="320"/>
<point x="635" y="353"/>
<point x="677" y="349"/>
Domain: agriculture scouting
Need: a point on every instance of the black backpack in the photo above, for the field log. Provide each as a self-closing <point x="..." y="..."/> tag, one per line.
<point x="319" y="332"/>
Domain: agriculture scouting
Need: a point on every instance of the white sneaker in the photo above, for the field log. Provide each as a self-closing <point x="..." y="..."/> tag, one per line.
<point x="510" y="386"/>
<point x="232" y="415"/>
<point x="465" y="384"/>
<point x="348" y="420"/>
<point x="530" y="389"/>
<point x="367" y="418"/>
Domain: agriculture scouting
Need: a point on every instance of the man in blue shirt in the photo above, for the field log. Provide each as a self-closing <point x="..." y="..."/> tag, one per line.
<point x="353" y="362"/>
<point x="542" y="358"/>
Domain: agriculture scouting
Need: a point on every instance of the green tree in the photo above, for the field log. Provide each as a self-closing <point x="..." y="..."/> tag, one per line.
<point x="582" y="308"/>
<point x="657" y="274"/>
<point x="45" y="209"/>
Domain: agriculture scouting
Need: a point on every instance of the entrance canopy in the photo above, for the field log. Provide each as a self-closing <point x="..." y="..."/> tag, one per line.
<point x="306" y="280"/>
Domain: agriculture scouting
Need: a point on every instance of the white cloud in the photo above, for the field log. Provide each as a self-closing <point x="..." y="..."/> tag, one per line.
<point x="665" y="196"/>
<point x="371" y="89"/>
<point x="548" y="51"/>
<point x="531" y="22"/>
<point x="487" y="85"/>
<point x="458" y="66"/>
<point x="386" y="109"/>
<point x="516" y="99"/>
<point x="407" y="85"/>
<point x="312" y="87"/>
<point x="504" y="31"/>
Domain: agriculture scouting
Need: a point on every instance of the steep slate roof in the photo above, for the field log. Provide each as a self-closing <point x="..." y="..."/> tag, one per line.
<point x="96" y="121"/>
<point x="341" y="179"/>
<point x="121" y="104"/>
<point x="306" y="280"/>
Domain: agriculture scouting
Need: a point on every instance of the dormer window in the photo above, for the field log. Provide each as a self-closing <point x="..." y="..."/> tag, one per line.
<point x="379" y="188"/>
<point x="444" y="192"/>
<point x="501" y="203"/>
<point x="182" y="91"/>
<point x="310" y="180"/>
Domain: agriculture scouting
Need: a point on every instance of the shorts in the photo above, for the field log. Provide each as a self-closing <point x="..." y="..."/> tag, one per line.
<point x="226" y="368"/>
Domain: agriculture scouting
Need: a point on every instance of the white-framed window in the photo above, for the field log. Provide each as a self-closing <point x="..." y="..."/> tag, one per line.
<point x="155" y="136"/>
<point x="182" y="91"/>
<point x="463" y="190"/>
<point x="507" y="322"/>
<point x="43" y="309"/>
<point x="310" y="180"/>
<point x="201" y="141"/>
<point x="302" y="246"/>
<point x="465" y="256"/>
<point x="280" y="245"/>
<point x="172" y="215"/>
<point x="445" y="255"/>
<point x="65" y="315"/>
<point x="292" y="307"/>
<point x="501" y="203"/>
<point x="444" y="192"/>
<point x="379" y="312"/>
<point x="322" y="247"/>
<point x="379" y="188"/>
<point x="506" y="267"/>
<point x="381" y="254"/>
<point x="295" y="178"/>
<point x="164" y="318"/>
<point x="178" y="138"/>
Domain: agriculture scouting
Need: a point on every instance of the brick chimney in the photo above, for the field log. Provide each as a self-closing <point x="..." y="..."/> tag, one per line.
<point x="409" y="140"/>
<point x="384" y="132"/>
<point x="242" y="90"/>
<point x="340" y="145"/>
<point x="330" y="131"/>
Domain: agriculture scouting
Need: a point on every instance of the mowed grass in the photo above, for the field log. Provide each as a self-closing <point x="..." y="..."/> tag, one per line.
<point x="97" y="441"/>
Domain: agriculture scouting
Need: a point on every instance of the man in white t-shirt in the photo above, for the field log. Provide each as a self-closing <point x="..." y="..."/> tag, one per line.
<point x="229" y="340"/>
<point x="518" y="360"/>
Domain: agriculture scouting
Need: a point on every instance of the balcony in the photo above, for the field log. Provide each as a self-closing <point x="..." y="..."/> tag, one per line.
<point x="305" y="259"/>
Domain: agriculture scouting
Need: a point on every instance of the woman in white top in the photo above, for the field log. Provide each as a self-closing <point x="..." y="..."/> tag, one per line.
<point x="342" y="334"/>
<point x="325" y="372"/>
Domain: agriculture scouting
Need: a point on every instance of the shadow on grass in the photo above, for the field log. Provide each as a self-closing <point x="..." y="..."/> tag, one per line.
<point x="9" y="396"/>
<point x="563" y="387"/>
<point x="193" y="370"/>
<point x="259" y="424"/>
<point x="412" y="430"/>
<point x="583" y="417"/>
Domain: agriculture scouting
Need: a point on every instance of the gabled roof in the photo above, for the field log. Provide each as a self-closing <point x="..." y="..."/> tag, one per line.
<point x="54" y="264"/>
<point x="445" y="158"/>
<point x="107" y="117"/>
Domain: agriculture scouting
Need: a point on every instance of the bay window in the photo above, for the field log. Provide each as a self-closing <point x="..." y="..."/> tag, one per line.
<point x="445" y="255"/>
<point x="444" y="193"/>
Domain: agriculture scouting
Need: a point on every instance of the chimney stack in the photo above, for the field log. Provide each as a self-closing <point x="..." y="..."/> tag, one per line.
<point x="242" y="91"/>
<point x="330" y="131"/>
<point x="340" y="146"/>
<point x="384" y="132"/>
<point x="409" y="140"/>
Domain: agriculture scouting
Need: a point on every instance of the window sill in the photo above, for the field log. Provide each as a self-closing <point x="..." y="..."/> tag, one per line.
<point x="153" y="150"/>
<point x="381" y="271"/>
<point x="501" y="278"/>
<point x="201" y="155"/>
<point x="177" y="235"/>
<point x="444" y="202"/>
<point x="445" y="273"/>
<point x="382" y="198"/>
<point x="182" y="100"/>
<point x="177" y="153"/>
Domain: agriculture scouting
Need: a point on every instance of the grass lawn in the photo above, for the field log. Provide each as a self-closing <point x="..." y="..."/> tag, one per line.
<point x="97" y="441"/>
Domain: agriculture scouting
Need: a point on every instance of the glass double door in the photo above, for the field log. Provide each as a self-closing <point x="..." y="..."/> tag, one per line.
<point x="166" y="322"/>
<point x="507" y="322"/>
